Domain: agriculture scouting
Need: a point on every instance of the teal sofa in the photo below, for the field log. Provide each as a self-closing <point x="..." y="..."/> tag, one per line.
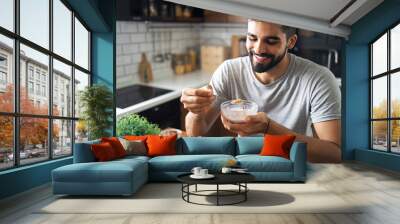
<point x="125" y="176"/>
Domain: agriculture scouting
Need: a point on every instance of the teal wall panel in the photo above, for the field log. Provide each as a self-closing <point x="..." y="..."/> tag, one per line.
<point x="356" y="84"/>
<point x="24" y="178"/>
<point x="377" y="158"/>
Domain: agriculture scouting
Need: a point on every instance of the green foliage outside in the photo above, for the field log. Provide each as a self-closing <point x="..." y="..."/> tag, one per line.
<point x="380" y="127"/>
<point x="135" y="124"/>
<point x="96" y="102"/>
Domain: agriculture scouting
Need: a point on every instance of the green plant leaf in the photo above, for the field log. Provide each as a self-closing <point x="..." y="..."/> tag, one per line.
<point x="135" y="124"/>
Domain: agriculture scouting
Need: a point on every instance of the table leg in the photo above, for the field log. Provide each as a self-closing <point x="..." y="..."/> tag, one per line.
<point x="245" y="191"/>
<point x="188" y="189"/>
<point x="217" y="194"/>
<point x="196" y="188"/>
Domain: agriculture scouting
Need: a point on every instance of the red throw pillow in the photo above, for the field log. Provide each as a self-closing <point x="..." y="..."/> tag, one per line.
<point x="103" y="151"/>
<point x="277" y="145"/>
<point x="161" y="145"/>
<point x="116" y="145"/>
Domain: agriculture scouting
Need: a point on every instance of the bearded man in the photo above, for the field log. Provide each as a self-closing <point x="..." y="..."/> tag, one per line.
<point x="294" y="95"/>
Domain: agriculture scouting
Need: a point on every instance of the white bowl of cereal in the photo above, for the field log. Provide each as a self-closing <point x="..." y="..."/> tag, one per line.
<point x="237" y="110"/>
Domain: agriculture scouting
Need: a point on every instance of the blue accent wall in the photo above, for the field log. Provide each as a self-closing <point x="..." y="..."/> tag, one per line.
<point x="356" y="85"/>
<point x="103" y="53"/>
<point x="24" y="178"/>
<point x="99" y="16"/>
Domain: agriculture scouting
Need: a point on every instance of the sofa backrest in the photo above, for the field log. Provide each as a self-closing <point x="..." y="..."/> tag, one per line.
<point x="249" y="145"/>
<point x="83" y="152"/>
<point x="206" y="145"/>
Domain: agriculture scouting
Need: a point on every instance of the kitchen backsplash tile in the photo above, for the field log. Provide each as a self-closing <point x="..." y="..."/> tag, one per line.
<point x="133" y="38"/>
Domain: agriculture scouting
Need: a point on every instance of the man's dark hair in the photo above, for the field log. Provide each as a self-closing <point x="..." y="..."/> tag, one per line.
<point x="289" y="31"/>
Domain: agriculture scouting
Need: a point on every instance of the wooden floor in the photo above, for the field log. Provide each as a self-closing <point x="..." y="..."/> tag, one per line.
<point x="378" y="188"/>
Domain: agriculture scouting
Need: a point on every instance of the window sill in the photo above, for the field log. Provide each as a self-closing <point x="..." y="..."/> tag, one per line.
<point x="26" y="167"/>
<point x="385" y="160"/>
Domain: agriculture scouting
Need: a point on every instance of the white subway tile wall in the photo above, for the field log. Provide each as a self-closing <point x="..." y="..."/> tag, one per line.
<point x="133" y="38"/>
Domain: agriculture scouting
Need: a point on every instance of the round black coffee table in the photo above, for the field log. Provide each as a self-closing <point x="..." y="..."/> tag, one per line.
<point x="238" y="179"/>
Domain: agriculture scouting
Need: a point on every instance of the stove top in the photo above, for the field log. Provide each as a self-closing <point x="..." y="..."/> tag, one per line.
<point x="137" y="93"/>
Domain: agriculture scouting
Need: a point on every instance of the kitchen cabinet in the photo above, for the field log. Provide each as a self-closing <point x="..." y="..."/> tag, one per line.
<point x="165" y="115"/>
<point x="157" y="11"/>
<point x="217" y="17"/>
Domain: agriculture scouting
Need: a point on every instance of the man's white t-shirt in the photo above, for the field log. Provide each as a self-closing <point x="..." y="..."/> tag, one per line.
<point x="306" y="93"/>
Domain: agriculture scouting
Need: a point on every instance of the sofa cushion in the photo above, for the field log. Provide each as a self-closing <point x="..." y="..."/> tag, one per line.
<point x="116" y="145"/>
<point x="83" y="152"/>
<point x="185" y="163"/>
<point x="135" y="147"/>
<point x="135" y="137"/>
<point x="132" y="158"/>
<point x="257" y="163"/>
<point x="249" y="145"/>
<point x="112" y="171"/>
<point x="277" y="145"/>
<point x="206" y="145"/>
<point x="103" y="151"/>
<point x="161" y="145"/>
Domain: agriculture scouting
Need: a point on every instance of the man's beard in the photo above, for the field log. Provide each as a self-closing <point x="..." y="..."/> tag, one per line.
<point x="265" y="67"/>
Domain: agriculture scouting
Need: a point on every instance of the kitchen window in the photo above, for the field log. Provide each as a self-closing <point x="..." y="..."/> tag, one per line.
<point x="51" y="45"/>
<point x="384" y="91"/>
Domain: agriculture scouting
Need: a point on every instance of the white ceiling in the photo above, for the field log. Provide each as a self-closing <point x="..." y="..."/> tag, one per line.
<point x="315" y="15"/>
<point x="321" y="9"/>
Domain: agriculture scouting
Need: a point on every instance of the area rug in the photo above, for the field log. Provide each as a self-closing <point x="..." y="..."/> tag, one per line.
<point x="166" y="198"/>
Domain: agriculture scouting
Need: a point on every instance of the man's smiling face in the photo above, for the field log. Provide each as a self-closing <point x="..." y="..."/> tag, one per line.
<point x="266" y="44"/>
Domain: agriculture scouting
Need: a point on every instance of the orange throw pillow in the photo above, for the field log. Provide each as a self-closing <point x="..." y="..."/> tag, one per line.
<point x="161" y="145"/>
<point x="135" y="137"/>
<point x="103" y="152"/>
<point x="277" y="145"/>
<point x="116" y="145"/>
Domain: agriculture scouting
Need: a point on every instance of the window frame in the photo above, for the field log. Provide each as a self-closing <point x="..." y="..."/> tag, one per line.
<point x="16" y="114"/>
<point x="388" y="74"/>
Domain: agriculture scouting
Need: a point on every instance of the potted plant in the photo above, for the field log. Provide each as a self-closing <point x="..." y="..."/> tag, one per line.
<point x="96" y="103"/>
<point x="134" y="124"/>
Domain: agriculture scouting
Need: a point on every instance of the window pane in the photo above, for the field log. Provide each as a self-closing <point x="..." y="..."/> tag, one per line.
<point x="33" y="139"/>
<point x="379" y="55"/>
<point x="6" y="142"/>
<point x="379" y="135"/>
<point x="395" y="138"/>
<point x="34" y="79"/>
<point x="62" y="89"/>
<point x="35" y="21"/>
<point x="379" y="98"/>
<point x="81" y="81"/>
<point x="62" y="29"/>
<point x="395" y="94"/>
<point x="81" y="132"/>
<point x="6" y="74"/>
<point x="81" y="45"/>
<point x="7" y="14"/>
<point x="62" y="138"/>
<point x="395" y="47"/>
